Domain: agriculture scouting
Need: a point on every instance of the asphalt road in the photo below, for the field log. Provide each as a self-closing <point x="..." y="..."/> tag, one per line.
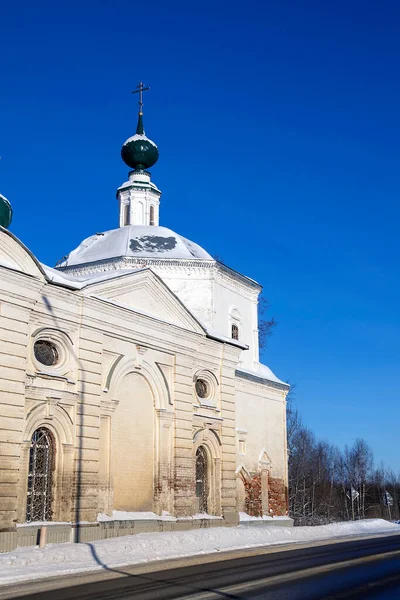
<point x="361" y="570"/>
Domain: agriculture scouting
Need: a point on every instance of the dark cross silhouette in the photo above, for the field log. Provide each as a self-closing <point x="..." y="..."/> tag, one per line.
<point x="140" y="89"/>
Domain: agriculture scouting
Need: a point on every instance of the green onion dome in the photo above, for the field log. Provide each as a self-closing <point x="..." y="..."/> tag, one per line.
<point x="6" y="212"/>
<point x="139" y="152"/>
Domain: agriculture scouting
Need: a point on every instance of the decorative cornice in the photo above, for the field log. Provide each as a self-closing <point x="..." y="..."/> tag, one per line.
<point x="224" y="269"/>
<point x="224" y="273"/>
<point x="41" y="392"/>
<point x="121" y="262"/>
<point x="142" y="187"/>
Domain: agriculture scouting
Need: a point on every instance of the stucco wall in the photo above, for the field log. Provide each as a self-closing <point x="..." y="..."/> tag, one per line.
<point x="193" y="286"/>
<point x="213" y="294"/>
<point x="261" y="416"/>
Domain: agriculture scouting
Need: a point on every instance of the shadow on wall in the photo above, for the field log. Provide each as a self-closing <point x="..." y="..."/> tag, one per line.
<point x="80" y="417"/>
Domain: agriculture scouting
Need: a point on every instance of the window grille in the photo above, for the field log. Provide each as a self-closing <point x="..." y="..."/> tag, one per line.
<point x="40" y="476"/>
<point x="201" y="388"/>
<point x="202" y="479"/>
<point x="46" y="353"/>
<point x="235" y="332"/>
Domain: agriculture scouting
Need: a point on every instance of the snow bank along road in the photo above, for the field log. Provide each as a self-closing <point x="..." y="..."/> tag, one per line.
<point x="110" y="556"/>
<point x="361" y="569"/>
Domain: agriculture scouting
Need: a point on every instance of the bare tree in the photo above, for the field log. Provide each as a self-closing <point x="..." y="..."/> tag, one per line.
<point x="265" y="325"/>
<point x="359" y="463"/>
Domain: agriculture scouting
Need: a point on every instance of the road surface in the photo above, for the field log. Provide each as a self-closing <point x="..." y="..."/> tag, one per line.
<point x="363" y="569"/>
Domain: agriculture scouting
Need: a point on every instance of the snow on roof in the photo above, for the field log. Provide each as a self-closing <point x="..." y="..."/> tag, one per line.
<point x="80" y="281"/>
<point x="130" y="183"/>
<point x="262" y="372"/>
<point x="213" y="333"/>
<point x="139" y="136"/>
<point x="141" y="241"/>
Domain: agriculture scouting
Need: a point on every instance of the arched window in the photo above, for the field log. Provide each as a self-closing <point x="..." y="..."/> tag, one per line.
<point x="202" y="479"/>
<point x="235" y="321"/>
<point x="152" y="219"/>
<point x="40" y="476"/>
<point x="139" y="220"/>
<point x="127" y="216"/>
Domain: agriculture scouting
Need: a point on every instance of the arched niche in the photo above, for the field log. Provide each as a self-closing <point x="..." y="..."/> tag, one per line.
<point x="149" y="370"/>
<point x="133" y="444"/>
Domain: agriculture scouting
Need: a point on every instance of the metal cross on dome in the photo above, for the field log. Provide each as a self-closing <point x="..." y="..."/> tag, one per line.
<point x="140" y="89"/>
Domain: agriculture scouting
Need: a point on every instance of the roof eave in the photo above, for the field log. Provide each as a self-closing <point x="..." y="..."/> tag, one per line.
<point x="239" y="276"/>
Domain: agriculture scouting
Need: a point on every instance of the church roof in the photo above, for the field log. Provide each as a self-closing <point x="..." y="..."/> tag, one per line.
<point x="138" y="241"/>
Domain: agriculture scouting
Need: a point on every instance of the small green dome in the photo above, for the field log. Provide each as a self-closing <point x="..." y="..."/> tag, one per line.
<point x="6" y="212"/>
<point x="139" y="152"/>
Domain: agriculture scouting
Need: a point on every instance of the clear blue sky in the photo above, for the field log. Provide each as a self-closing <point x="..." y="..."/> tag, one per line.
<point x="278" y="125"/>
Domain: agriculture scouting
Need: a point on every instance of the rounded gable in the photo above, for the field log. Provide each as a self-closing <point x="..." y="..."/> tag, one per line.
<point x="16" y="256"/>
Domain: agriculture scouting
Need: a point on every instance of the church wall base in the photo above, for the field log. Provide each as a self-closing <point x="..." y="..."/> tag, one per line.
<point x="280" y="522"/>
<point x="28" y="535"/>
<point x="8" y="540"/>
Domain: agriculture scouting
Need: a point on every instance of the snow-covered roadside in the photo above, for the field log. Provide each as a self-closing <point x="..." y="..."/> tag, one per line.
<point x="61" y="559"/>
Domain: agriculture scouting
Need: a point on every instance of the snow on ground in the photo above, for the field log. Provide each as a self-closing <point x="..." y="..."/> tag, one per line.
<point x="61" y="559"/>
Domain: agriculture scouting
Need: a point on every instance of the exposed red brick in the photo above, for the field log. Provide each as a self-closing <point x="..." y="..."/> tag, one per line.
<point x="253" y="500"/>
<point x="277" y="497"/>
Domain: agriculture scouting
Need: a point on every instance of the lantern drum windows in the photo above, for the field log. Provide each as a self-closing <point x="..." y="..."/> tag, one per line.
<point x="152" y="215"/>
<point x="127" y="214"/>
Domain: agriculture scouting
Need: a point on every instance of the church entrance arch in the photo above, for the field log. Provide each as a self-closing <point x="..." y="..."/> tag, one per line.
<point x="42" y="454"/>
<point x="202" y="479"/>
<point x="133" y="445"/>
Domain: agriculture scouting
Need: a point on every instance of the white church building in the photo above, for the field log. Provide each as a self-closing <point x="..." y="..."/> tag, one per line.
<point x="132" y="396"/>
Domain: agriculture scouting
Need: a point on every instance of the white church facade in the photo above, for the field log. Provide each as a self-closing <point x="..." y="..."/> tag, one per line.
<point x="130" y="383"/>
